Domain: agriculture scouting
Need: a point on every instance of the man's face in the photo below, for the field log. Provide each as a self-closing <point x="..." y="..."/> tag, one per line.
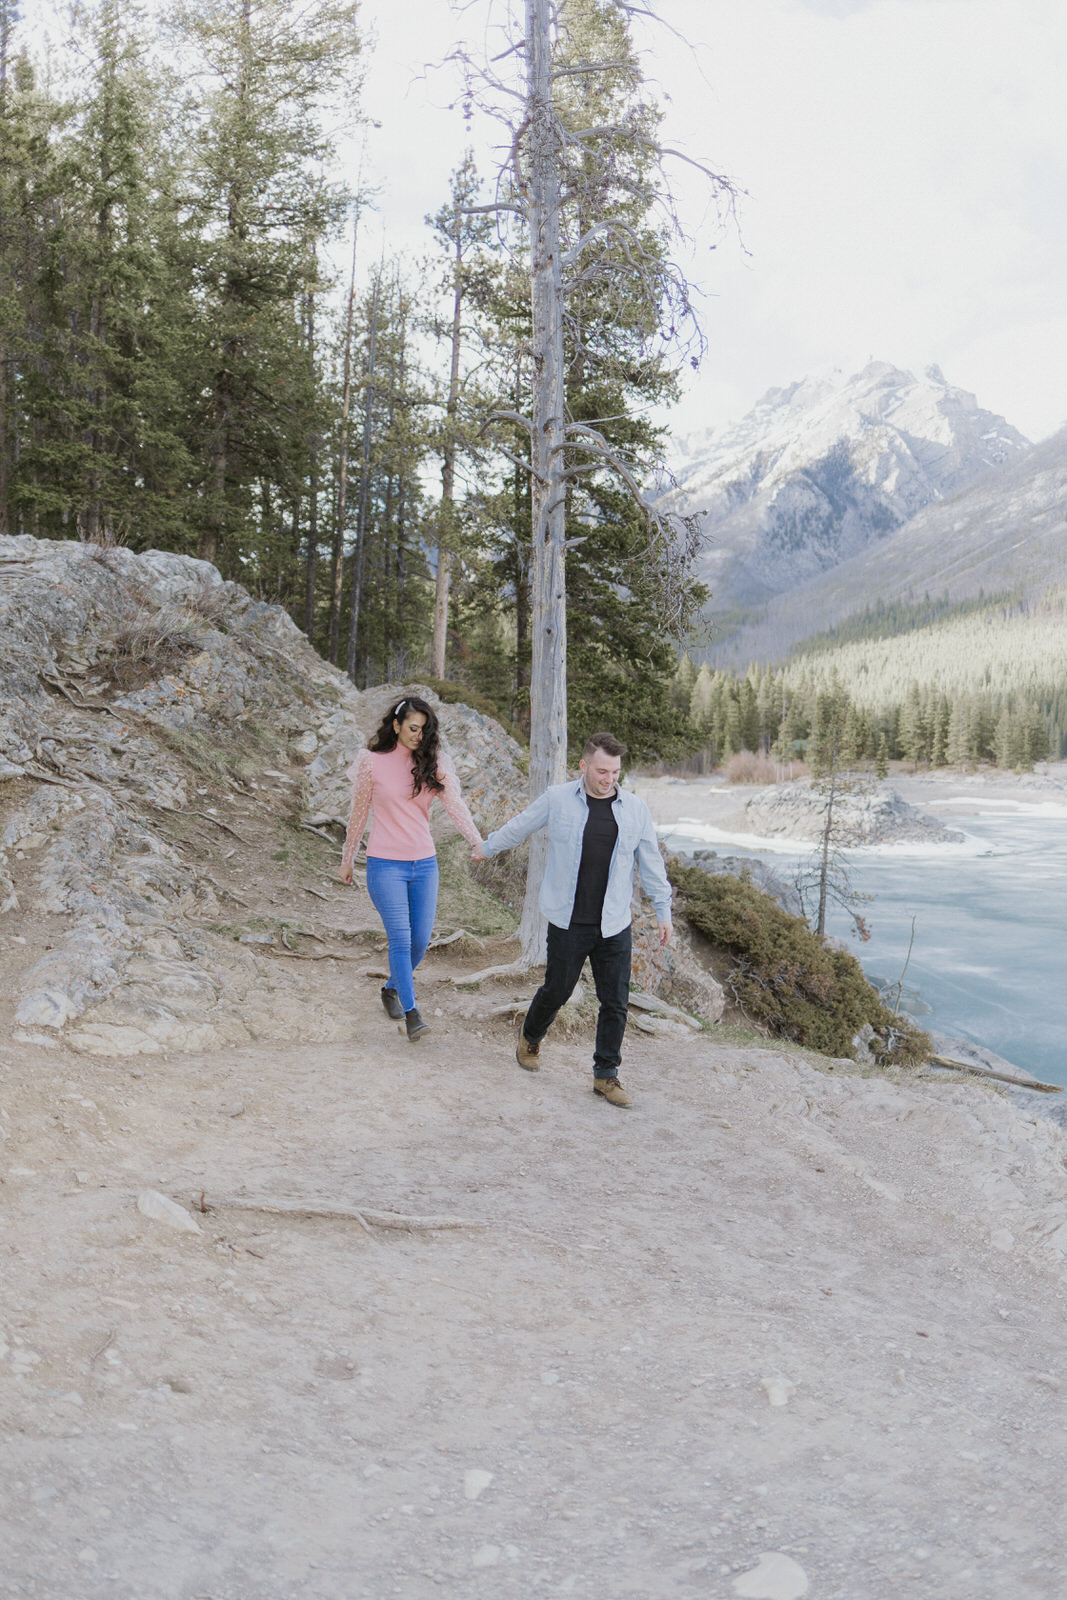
<point x="600" y="774"/>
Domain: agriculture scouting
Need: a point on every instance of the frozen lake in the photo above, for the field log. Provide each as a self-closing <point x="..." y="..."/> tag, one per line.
<point x="990" y="952"/>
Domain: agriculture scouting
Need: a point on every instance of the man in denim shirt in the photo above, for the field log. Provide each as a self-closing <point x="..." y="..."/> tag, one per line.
<point x="595" y="833"/>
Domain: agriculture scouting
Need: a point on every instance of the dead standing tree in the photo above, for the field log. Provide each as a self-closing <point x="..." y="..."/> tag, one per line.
<point x="555" y="212"/>
<point x="826" y="878"/>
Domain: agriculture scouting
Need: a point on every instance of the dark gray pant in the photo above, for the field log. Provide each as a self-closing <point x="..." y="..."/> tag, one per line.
<point x="568" y="950"/>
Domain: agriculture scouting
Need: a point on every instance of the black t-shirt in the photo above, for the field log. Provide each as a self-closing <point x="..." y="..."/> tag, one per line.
<point x="598" y="843"/>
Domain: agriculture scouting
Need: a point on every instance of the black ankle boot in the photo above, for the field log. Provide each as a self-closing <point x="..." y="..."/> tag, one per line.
<point x="391" y="1002"/>
<point x="414" y="1024"/>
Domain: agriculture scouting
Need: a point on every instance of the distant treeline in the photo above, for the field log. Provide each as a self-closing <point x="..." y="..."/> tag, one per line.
<point x="887" y="619"/>
<point x="980" y="683"/>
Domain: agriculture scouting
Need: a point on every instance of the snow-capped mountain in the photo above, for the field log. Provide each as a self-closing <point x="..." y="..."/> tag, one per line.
<point x="1005" y="533"/>
<point x="827" y="467"/>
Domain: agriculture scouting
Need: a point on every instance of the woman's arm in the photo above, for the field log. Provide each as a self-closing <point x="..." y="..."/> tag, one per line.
<point x="361" y="774"/>
<point x="451" y="797"/>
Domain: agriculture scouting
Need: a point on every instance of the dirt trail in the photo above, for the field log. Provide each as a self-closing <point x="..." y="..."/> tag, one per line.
<point x="575" y="1398"/>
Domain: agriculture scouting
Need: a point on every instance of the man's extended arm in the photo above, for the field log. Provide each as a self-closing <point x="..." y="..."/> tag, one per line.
<point x="515" y="830"/>
<point x="653" y="875"/>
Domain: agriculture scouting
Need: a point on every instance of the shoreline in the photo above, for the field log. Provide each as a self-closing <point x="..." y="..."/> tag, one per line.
<point x="711" y="802"/>
<point x="714" y="813"/>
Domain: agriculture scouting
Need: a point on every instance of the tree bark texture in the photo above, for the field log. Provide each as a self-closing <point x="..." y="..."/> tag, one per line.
<point x="337" y="553"/>
<point x="548" y="681"/>
<point x="364" y="488"/>
<point x="448" y="470"/>
<point x="312" y="554"/>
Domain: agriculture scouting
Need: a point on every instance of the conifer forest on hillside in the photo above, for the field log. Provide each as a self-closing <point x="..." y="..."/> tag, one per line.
<point x="185" y="366"/>
<point x="978" y="682"/>
<point x="198" y="354"/>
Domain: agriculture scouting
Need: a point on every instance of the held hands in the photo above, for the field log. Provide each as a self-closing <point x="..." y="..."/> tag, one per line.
<point x="478" y="853"/>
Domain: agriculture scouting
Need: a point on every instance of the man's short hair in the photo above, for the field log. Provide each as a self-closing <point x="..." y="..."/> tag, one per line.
<point x="606" y="742"/>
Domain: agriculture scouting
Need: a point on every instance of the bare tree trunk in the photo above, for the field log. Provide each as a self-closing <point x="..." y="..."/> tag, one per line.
<point x="364" y="487"/>
<point x="401" y="559"/>
<point x="448" y="468"/>
<point x="442" y="592"/>
<point x="7" y="521"/>
<point x="827" y="835"/>
<point x="388" y="572"/>
<point x="311" y="569"/>
<point x="548" y="682"/>
<point x="313" y="495"/>
<point x="7" y="21"/>
<point x="214" y="534"/>
<point x="337" y="554"/>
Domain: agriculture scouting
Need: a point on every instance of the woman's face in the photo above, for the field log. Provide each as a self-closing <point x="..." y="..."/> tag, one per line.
<point x="409" y="732"/>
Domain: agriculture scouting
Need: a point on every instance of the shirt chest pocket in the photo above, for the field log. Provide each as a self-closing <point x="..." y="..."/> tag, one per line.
<point x="629" y="836"/>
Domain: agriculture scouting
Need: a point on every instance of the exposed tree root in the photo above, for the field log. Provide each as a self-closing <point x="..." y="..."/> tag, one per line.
<point x="310" y="1208"/>
<point x="511" y="969"/>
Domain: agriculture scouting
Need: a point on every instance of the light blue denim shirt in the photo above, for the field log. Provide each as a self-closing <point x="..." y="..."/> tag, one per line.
<point x="564" y="811"/>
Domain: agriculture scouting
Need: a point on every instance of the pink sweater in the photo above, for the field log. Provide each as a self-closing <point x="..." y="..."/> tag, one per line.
<point x="381" y="781"/>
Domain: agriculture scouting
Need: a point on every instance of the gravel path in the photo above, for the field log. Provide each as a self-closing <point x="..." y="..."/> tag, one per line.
<point x="778" y="1319"/>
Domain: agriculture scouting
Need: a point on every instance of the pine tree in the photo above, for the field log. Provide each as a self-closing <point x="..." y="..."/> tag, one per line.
<point x="881" y="760"/>
<point x="701" y="699"/>
<point x="466" y="236"/>
<point x="30" y="186"/>
<point x="104" y="453"/>
<point x="684" y="678"/>
<point x="259" y="200"/>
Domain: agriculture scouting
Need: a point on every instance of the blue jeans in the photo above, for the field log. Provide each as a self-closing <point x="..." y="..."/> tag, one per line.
<point x="610" y="959"/>
<point x="404" y="894"/>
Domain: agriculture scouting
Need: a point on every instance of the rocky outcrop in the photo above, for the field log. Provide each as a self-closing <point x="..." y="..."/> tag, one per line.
<point x="674" y="972"/>
<point x="133" y="687"/>
<point x="868" y="815"/>
<point x="140" y="695"/>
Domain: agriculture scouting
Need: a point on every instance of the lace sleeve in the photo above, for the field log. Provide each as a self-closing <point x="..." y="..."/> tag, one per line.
<point x="452" y="800"/>
<point x="361" y="774"/>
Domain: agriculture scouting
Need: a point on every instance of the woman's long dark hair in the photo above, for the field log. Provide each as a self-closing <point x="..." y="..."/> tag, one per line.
<point x="424" y="767"/>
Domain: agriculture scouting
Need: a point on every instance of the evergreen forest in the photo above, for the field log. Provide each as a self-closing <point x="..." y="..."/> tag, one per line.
<point x="197" y="355"/>
<point x="931" y="684"/>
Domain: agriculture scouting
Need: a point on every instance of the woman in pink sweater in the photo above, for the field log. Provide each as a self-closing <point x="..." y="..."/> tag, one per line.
<point x="396" y="777"/>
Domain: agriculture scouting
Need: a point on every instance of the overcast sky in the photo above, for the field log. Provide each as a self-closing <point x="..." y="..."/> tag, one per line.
<point x="905" y="163"/>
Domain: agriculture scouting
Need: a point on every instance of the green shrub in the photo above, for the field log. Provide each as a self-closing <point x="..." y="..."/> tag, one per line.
<point x="785" y="979"/>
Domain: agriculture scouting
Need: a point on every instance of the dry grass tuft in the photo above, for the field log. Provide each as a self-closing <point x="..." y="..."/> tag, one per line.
<point x="745" y="767"/>
<point x="147" y="643"/>
<point x="208" y="603"/>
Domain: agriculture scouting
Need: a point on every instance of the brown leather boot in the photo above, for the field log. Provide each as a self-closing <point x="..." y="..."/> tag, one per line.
<point x="527" y="1054"/>
<point x="612" y="1090"/>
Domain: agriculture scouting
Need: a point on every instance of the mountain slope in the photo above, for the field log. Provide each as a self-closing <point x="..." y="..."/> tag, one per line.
<point x="828" y="468"/>
<point x="1004" y="533"/>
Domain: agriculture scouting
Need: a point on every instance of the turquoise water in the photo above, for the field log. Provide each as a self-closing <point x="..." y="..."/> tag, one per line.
<point x="989" y="957"/>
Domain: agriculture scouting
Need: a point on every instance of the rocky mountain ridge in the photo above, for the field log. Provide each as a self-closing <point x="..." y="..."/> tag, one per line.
<point x="826" y="469"/>
<point x="1004" y="534"/>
